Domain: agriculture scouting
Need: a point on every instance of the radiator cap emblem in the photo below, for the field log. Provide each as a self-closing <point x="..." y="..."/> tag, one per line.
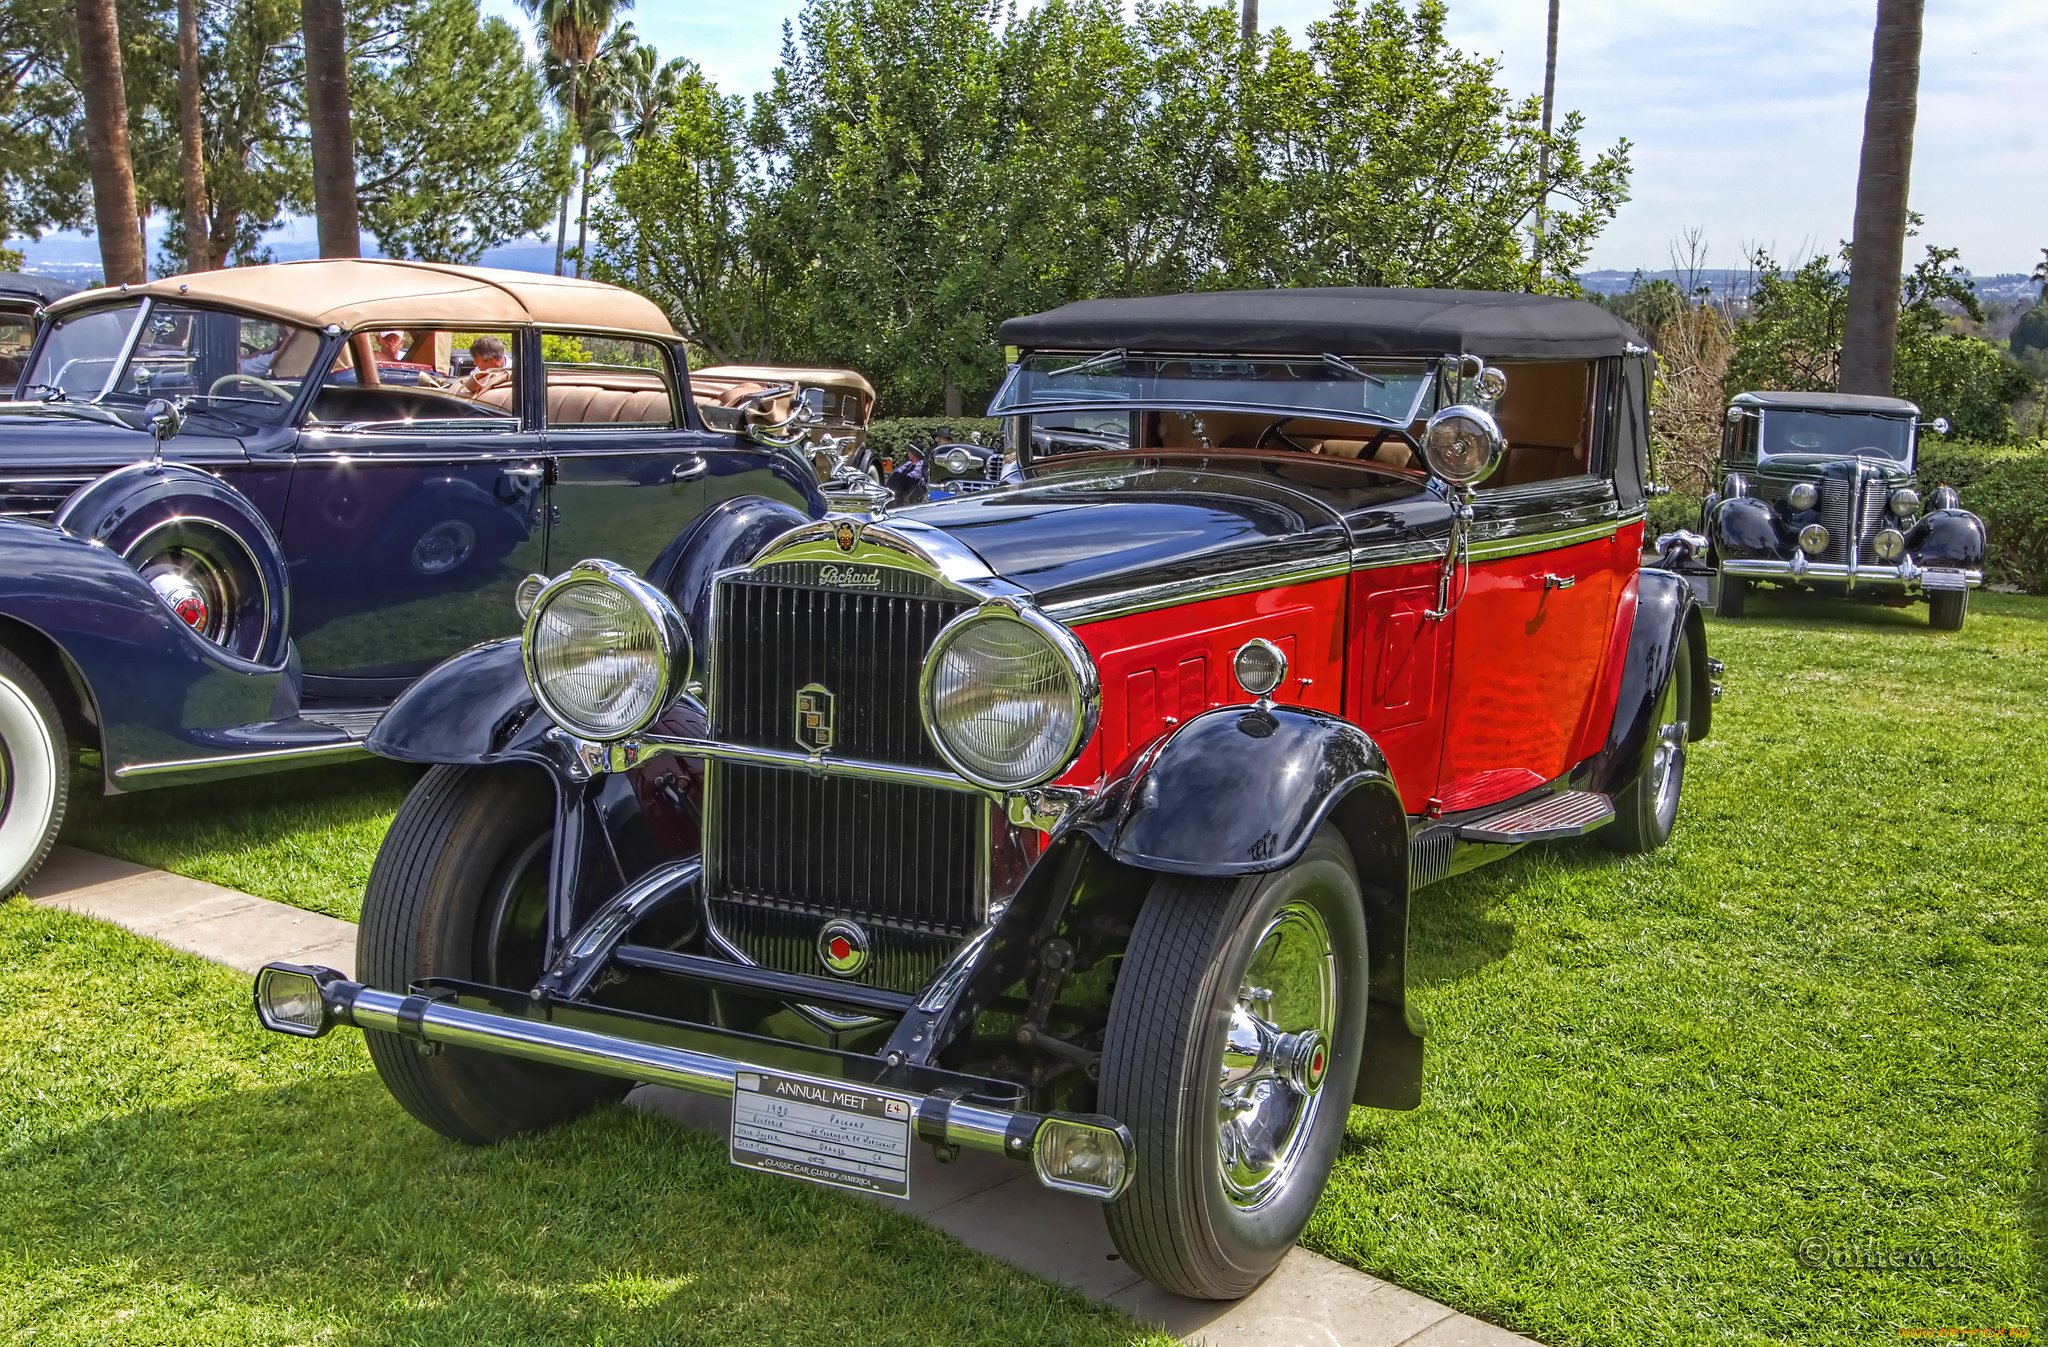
<point x="843" y="947"/>
<point x="814" y="714"/>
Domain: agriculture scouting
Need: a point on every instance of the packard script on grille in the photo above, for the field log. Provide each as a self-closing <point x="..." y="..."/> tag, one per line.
<point x="848" y="577"/>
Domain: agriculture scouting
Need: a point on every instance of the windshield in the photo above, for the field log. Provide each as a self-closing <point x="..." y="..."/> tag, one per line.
<point x="1836" y="434"/>
<point x="213" y="359"/>
<point x="1381" y="391"/>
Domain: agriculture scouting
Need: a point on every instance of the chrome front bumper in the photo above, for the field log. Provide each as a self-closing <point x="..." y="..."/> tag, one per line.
<point x="1905" y="575"/>
<point x="697" y="1058"/>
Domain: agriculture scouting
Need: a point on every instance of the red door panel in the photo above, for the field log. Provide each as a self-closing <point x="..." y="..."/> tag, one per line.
<point x="1160" y="668"/>
<point x="1527" y="656"/>
<point x="1400" y="663"/>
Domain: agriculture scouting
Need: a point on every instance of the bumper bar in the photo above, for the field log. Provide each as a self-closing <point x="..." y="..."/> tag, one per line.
<point x="1905" y="575"/>
<point x="952" y="1110"/>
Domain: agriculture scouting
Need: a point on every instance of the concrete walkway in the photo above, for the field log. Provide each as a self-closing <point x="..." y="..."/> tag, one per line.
<point x="985" y="1202"/>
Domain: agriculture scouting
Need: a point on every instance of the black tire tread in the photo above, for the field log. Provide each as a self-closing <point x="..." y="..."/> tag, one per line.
<point x="459" y="1093"/>
<point x="15" y="671"/>
<point x="1731" y="595"/>
<point x="1947" y="608"/>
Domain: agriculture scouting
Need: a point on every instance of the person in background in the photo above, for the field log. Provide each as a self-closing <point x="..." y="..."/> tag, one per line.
<point x="491" y="369"/>
<point x="388" y="345"/>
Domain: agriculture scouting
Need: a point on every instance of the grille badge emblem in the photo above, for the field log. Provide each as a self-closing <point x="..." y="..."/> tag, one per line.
<point x="845" y="535"/>
<point x="843" y="947"/>
<point x="814" y="717"/>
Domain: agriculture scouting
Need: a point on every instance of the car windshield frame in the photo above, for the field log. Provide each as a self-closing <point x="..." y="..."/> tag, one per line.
<point x="1771" y="418"/>
<point x="1130" y="381"/>
<point x="123" y="356"/>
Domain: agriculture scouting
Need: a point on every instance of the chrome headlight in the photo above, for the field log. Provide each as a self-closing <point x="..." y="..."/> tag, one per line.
<point x="1009" y="697"/>
<point x="1813" y="539"/>
<point x="1803" y="496"/>
<point x="958" y="462"/>
<point x="1905" y="503"/>
<point x="605" y="651"/>
<point x="1889" y="544"/>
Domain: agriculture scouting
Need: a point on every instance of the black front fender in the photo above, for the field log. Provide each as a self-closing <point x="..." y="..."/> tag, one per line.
<point x="1948" y="538"/>
<point x="465" y="710"/>
<point x="1748" y="528"/>
<point x="1239" y="790"/>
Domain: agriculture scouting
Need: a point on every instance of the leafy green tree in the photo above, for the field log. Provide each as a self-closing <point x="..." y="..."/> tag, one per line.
<point x="1792" y="340"/>
<point x="43" y="173"/>
<point x="683" y="223"/>
<point x="454" y="154"/>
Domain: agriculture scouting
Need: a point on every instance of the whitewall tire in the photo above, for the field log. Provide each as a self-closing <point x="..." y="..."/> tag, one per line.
<point x="35" y="773"/>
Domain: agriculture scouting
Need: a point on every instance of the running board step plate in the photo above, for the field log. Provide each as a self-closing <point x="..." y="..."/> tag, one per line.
<point x="1571" y="813"/>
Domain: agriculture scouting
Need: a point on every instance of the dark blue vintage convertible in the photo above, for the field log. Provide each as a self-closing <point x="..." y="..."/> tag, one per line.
<point x="241" y="511"/>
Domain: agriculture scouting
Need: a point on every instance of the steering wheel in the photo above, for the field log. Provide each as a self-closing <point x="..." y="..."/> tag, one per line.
<point x="1273" y="432"/>
<point x="278" y="391"/>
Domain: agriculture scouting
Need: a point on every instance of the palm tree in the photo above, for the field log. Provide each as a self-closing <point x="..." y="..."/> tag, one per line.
<point x="1250" y="23"/>
<point x="192" y="150"/>
<point x="647" y="92"/>
<point x="106" y="143"/>
<point x="334" y="141"/>
<point x="574" y="31"/>
<point x="1870" y="332"/>
<point x="1543" y="151"/>
<point x="606" y="89"/>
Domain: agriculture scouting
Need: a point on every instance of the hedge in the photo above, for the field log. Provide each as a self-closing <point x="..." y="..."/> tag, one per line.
<point x="892" y="434"/>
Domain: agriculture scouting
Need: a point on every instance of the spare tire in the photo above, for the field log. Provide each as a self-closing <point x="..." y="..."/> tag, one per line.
<point x="205" y="550"/>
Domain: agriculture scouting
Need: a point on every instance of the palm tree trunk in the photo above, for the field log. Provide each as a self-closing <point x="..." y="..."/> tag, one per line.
<point x="1870" y="333"/>
<point x="583" y="213"/>
<point x="334" y="142"/>
<point x="562" y="225"/>
<point x="1543" y="150"/>
<point x="106" y="141"/>
<point x="198" y="257"/>
<point x="1250" y="24"/>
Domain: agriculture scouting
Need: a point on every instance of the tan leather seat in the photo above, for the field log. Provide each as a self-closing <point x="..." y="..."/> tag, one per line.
<point x="590" y="405"/>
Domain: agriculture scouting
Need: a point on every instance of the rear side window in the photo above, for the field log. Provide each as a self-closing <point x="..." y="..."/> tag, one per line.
<point x="424" y="378"/>
<point x="598" y="382"/>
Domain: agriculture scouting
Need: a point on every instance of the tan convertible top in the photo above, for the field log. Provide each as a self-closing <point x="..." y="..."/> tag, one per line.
<point x="367" y="292"/>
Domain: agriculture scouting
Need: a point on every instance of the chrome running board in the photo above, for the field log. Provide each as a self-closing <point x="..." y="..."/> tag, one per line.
<point x="1570" y="813"/>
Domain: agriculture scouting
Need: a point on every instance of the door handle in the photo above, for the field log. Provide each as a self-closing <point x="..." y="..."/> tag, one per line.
<point x="689" y="469"/>
<point x="1551" y="582"/>
<point x="527" y="472"/>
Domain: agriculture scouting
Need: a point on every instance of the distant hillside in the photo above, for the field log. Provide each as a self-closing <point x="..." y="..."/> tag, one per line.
<point x="76" y="257"/>
<point x="2005" y="286"/>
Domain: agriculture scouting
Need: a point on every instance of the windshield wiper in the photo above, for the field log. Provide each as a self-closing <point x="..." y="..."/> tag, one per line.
<point x="1116" y="357"/>
<point x="51" y="393"/>
<point x="1338" y="362"/>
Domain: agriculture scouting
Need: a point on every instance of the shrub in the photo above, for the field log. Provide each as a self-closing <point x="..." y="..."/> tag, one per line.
<point x="890" y="435"/>
<point x="2007" y="486"/>
<point x="1675" y="511"/>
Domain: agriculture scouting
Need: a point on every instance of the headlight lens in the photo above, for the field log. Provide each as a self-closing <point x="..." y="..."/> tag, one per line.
<point x="1905" y="503"/>
<point x="1803" y="496"/>
<point x="1813" y="540"/>
<point x="1009" y="697"/>
<point x="1889" y="544"/>
<point x="605" y="651"/>
<point x="959" y="462"/>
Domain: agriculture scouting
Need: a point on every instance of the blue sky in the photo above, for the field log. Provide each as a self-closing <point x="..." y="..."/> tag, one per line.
<point x="1745" y="115"/>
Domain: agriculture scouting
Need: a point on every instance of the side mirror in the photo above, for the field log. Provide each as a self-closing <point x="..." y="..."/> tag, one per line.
<point x="1939" y="425"/>
<point x="1463" y="445"/>
<point x="1734" y="415"/>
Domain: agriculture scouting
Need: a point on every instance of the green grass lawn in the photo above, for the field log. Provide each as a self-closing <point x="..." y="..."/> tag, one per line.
<point x="305" y="837"/>
<point x="1818" y="1015"/>
<point x="170" y="1173"/>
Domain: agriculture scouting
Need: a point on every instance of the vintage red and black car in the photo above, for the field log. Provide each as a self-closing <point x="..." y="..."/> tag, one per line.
<point x="241" y="511"/>
<point x="1078" y="820"/>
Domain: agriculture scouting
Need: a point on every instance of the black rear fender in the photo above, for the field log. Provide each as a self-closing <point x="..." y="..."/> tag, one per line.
<point x="1665" y="613"/>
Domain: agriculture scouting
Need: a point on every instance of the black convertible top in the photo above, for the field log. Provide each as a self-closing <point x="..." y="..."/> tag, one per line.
<point x="41" y="289"/>
<point x="1829" y="402"/>
<point x="1343" y="321"/>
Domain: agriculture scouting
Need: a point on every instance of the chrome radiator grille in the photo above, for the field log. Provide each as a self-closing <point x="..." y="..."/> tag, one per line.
<point x="785" y="850"/>
<point x="1851" y="507"/>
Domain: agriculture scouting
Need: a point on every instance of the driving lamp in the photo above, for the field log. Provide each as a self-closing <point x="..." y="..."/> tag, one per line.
<point x="527" y="592"/>
<point x="289" y="999"/>
<point x="1260" y="667"/>
<point x="605" y="651"/>
<point x="1905" y="503"/>
<point x="1090" y="1158"/>
<point x="1813" y="539"/>
<point x="1009" y="697"/>
<point x="1804" y="496"/>
<point x="1462" y="445"/>
<point x="1889" y="544"/>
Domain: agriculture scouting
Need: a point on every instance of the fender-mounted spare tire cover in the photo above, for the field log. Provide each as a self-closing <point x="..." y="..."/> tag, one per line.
<point x="204" y="548"/>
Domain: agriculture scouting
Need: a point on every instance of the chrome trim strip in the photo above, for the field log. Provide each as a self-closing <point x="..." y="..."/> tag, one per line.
<point x="1146" y="598"/>
<point x="315" y="752"/>
<point x="801" y="762"/>
<point x="1517" y="545"/>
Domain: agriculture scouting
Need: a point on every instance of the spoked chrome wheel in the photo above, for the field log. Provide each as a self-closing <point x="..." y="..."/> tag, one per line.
<point x="1232" y="1053"/>
<point x="1276" y="1054"/>
<point x="1646" y="810"/>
